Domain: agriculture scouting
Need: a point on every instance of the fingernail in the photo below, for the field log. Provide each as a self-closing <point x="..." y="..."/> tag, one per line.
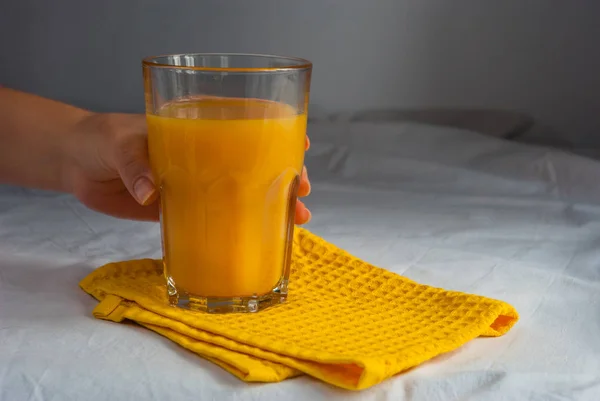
<point x="305" y="179"/>
<point x="307" y="215"/>
<point x="144" y="190"/>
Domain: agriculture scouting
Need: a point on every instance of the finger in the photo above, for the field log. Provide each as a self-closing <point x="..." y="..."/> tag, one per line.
<point x="134" y="168"/>
<point x="307" y="144"/>
<point x="121" y="205"/>
<point x="125" y="207"/>
<point x="304" y="186"/>
<point x="302" y="215"/>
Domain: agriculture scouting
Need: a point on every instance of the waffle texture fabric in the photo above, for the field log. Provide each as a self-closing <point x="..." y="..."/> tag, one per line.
<point x="345" y="322"/>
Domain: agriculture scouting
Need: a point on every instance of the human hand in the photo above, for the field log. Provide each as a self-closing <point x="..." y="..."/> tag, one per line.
<point x="108" y="168"/>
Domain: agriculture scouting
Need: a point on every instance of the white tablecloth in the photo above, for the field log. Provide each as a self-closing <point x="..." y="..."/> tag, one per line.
<point x="444" y="207"/>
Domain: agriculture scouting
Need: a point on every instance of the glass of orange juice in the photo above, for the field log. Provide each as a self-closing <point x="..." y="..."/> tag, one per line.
<point x="226" y="139"/>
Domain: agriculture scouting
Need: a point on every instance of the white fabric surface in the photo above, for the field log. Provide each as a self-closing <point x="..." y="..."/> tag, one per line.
<point x="444" y="207"/>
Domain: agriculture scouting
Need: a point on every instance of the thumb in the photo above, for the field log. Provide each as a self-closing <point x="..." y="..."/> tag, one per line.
<point x="134" y="169"/>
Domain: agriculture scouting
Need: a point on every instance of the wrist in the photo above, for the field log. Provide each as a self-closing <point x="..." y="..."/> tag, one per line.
<point x="35" y="140"/>
<point x="71" y="150"/>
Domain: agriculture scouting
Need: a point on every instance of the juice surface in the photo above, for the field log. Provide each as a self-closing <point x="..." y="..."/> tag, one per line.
<point x="227" y="170"/>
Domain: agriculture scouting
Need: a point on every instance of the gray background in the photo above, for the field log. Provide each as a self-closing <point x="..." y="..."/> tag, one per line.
<point x="541" y="57"/>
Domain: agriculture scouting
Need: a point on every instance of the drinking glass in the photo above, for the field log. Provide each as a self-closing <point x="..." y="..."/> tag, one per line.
<point x="226" y="140"/>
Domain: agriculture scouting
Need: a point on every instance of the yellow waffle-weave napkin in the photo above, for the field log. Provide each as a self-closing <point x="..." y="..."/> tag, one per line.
<point x="345" y="322"/>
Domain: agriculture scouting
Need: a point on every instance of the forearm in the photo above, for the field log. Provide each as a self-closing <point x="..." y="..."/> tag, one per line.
<point x="34" y="134"/>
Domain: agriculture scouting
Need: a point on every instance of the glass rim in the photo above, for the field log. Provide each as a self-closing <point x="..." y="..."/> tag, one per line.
<point x="296" y="63"/>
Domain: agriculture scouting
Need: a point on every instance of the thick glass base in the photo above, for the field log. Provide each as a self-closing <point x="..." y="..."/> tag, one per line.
<point x="250" y="304"/>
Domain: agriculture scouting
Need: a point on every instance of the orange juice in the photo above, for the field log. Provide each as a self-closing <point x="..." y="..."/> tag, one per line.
<point x="228" y="171"/>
